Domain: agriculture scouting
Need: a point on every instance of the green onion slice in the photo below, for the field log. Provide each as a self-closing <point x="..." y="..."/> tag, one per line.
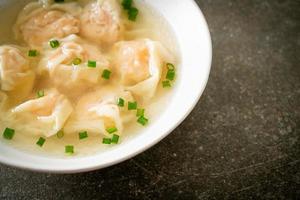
<point x="60" y="134"/>
<point x="140" y="112"/>
<point x="69" y="149"/>
<point x="106" y="74"/>
<point x="83" y="135"/>
<point x="41" y="141"/>
<point x="8" y="133"/>
<point x="115" y="139"/>
<point x="92" y="64"/>
<point x="170" y="75"/>
<point x="171" y="72"/>
<point x="40" y="93"/>
<point x="133" y="13"/>
<point x="142" y="120"/>
<point x="106" y="141"/>
<point x="170" y="66"/>
<point x="54" y="44"/>
<point x="32" y="53"/>
<point x="166" y="84"/>
<point x="132" y="105"/>
<point x="76" y="61"/>
<point x="121" y="102"/>
<point x="127" y="4"/>
<point x="111" y="130"/>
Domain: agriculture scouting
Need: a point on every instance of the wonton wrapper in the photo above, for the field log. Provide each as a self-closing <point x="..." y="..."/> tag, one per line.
<point x="97" y="111"/>
<point x="37" y="24"/>
<point x="45" y="115"/>
<point x="140" y="65"/>
<point x="16" y="77"/>
<point x="58" y="64"/>
<point x="101" y="22"/>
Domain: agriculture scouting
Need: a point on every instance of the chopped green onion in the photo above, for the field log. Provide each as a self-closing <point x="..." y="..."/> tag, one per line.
<point x="83" y="135"/>
<point x="106" y="141"/>
<point x="132" y="105"/>
<point x="142" y="120"/>
<point x="127" y="4"/>
<point x="171" y="72"/>
<point x="92" y="64"/>
<point x="140" y="112"/>
<point x="41" y="141"/>
<point x="121" y="102"/>
<point x="32" y="53"/>
<point x="106" y="74"/>
<point x="166" y="84"/>
<point x="40" y="93"/>
<point x="170" y="75"/>
<point x="60" y="134"/>
<point x="76" y="61"/>
<point x="8" y="133"/>
<point x="133" y="13"/>
<point x="69" y="149"/>
<point x="170" y="66"/>
<point x="111" y="130"/>
<point x="115" y="139"/>
<point x="54" y="44"/>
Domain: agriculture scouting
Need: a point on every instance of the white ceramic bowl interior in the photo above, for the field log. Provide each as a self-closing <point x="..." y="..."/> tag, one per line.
<point x="194" y="41"/>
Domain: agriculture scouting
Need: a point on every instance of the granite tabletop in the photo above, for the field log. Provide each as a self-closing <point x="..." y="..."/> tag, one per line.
<point x="240" y="142"/>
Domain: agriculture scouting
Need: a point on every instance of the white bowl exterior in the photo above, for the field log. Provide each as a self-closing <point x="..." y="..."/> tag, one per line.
<point x="194" y="40"/>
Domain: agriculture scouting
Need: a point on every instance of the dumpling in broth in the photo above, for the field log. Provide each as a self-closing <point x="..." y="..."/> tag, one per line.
<point x="36" y="24"/>
<point x="139" y="64"/>
<point x="97" y="111"/>
<point x="101" y="22"/>
<point x="45" y="115"/>
<point x="59" y="64"/>
<point x="16" y="76"/>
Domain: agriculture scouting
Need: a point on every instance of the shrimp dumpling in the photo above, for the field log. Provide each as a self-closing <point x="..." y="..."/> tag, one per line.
<point x="59" y="64"/>
<point x="16" y="76"/>
<point x="45" y="115"/>
<point x="101" y="22"/>
<point x="36" y="24"/>
<point x="98" y="110"/>
<point x="139" y="64"/>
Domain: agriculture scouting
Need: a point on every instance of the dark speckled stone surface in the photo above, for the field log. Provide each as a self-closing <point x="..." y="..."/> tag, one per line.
<point x="240" y="142"/>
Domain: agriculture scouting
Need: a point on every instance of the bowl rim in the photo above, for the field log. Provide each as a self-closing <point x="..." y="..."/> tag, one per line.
<point x="95" y="166"/>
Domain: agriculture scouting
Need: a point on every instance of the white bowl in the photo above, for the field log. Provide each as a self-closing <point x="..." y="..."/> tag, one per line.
<point x="194" y="40"/>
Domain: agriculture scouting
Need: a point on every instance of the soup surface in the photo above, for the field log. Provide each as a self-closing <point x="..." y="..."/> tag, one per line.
<point x="79" y="77"/>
